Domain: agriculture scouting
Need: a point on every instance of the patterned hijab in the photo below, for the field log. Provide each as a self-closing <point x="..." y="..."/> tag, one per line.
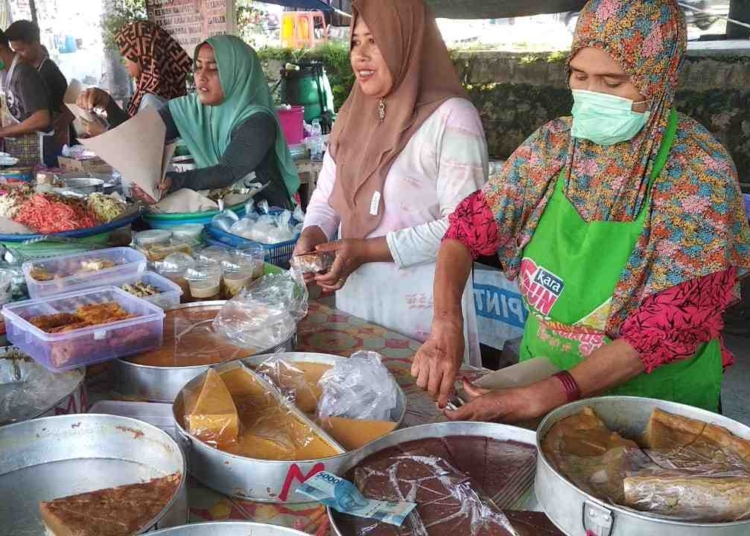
<point x="424" y="77"/>
<point x="696" y="224"/>
<point x="164" y="63"/>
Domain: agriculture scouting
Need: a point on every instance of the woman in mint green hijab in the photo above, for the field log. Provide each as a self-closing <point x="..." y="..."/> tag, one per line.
<point x="230" y="125"/>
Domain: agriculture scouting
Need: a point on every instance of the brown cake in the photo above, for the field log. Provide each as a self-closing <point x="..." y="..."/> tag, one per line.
<point x="452" y="481"/>
<point x="119" y="511"/>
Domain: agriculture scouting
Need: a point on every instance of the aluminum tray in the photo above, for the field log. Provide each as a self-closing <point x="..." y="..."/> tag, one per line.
<point x="163" y="384"/>
<point x="500" y="432"/>
<point x="229" y="529"/>
<point x="576" y="512"/>
<point x="397" y="415"/>
<point x="60" y="456"/>
<point x="248" y="478"/>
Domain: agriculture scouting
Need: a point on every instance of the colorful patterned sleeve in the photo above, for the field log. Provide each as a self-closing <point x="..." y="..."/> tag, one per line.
<point x="474" y="225"/>
<point x="670" y="325"/>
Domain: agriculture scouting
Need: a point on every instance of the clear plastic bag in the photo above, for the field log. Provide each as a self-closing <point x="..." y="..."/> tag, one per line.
<point x="358" y="388"/>
<point x="266" y="229"/>
<point x="265" y="315"/>
<point x="297" y="382"/>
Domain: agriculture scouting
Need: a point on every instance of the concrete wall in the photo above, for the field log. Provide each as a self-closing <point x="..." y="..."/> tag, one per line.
<point x="517" y="93"/>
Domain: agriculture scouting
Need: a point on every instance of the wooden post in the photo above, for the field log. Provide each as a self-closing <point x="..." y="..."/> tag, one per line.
<point x="738" y="10"/>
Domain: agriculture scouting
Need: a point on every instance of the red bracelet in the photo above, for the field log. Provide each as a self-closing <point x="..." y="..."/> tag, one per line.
<point x="570" y="385"/>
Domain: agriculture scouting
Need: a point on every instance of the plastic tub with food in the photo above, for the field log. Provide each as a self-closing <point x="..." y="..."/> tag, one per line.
<point x="78" y="271"/>
<point x="81" y="328"/>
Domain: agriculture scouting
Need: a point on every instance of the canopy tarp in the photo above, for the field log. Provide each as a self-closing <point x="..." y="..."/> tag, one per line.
<point x="320" y="5"/>
<point x="467" y="9"/>
<point x="501" y="9"/>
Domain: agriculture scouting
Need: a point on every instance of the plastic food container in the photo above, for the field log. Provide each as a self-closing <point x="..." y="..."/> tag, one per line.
<point x="154" y="236"/>
<point x="68" y="275"/>
<point x="170" y="295"/>
<point x="60" y="352"/>
<point x="189" y="232"/>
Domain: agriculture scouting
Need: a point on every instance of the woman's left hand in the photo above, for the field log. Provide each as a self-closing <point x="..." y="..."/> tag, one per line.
<point x="514" y="405"/>
<point x="351" y="253"/>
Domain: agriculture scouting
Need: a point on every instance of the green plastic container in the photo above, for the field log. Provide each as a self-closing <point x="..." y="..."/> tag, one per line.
<point x="309" y="87"/>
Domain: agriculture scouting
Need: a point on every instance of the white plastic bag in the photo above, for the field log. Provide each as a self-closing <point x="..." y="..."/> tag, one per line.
<point x="358" y="388"/>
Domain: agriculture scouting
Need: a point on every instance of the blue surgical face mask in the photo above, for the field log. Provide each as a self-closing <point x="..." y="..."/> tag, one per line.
<point x="605" y="119"/>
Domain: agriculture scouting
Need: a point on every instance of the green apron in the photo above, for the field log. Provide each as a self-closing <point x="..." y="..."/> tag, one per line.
<point x="569" y="273"/>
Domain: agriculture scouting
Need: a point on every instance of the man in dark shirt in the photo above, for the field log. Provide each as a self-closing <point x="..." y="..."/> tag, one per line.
<point x="24" y="38"/>
<point x="26" y="113"/>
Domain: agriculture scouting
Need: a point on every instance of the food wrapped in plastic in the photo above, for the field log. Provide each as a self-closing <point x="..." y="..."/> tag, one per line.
<point x="266" y="229"/>
<point x="266" y="314"/>
<point x="36" y="390"/>
<point x="358" y="388"/>
<point x="451" y="479"/>
<point x="237" y="412"/>
<point x="224" y="220"/>
<point x="297" y="381"/>
<point x="313" y="263"/>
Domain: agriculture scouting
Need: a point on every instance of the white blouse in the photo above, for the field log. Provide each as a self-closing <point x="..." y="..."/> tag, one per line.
<point x="443" y="163"/>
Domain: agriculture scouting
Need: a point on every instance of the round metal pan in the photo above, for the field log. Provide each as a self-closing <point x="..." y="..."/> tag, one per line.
<point x="163" y="384"/>
<point x="498" y="432"/>
<point x="60" y="456"/>
<point x="577" y="512"/>
<point x="260" y="480"/>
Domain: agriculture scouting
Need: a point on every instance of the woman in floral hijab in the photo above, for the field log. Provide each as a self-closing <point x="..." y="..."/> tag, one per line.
<point x="624" y="226"/>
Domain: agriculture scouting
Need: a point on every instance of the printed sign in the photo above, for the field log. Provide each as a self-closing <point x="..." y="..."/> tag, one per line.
<point x="501" y="314"/>
<point x="191" y="22"/>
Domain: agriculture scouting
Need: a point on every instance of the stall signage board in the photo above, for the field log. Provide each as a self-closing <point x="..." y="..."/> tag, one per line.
<point x="191" y="22"/>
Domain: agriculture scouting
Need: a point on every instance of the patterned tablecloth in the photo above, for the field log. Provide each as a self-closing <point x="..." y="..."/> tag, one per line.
<point x="325" y="330"/>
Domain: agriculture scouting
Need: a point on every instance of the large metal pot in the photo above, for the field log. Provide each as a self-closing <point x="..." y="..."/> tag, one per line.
<point x="498" y="432"/>
<point x="578" y="513"/>
<point x="163" y="384"/>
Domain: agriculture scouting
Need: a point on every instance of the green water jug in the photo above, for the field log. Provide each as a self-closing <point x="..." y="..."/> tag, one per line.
<point x="306" y="84"/>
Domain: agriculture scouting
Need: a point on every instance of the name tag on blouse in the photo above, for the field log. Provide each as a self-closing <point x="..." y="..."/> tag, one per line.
<point x="375" y="204"/>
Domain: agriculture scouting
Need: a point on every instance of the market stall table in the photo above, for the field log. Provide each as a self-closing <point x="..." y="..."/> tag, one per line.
<point x="325" y="330"/>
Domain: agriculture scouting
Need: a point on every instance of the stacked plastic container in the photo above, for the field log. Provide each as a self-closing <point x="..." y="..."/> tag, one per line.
<point x="70" y="287"/>
<point x="129" y="267"/>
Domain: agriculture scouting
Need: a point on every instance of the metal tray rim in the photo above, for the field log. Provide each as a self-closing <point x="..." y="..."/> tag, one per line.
<point x="240" y="525"/>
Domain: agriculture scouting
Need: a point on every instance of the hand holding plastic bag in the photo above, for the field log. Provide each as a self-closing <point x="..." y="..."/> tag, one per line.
<point x="358" y="388"/>
<point x="266" y="314"/>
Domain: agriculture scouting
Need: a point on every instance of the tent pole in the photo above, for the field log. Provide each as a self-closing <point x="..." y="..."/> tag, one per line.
<point x="738" y="10"/>
<point x="32" y="7"/>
